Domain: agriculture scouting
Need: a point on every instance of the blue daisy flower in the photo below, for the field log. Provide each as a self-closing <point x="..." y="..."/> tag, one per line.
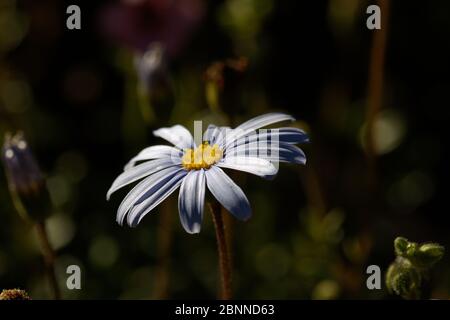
<point x="193" y="168"/>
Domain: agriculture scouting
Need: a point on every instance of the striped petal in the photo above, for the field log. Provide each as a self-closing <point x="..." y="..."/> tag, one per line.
<point x="254" y="124"/>
<point x="178" y="135"/>
<point x="284" y="152"/>
<point x="155" y="152"/>
<point x="141" y="188"/>
<point x="215" y="135"/>
<point x="228" y="193"/>
<point x="157" y="193"/>
<point x="191" y="201"/>
<point x="140" y="171"/>
<point x="286" y="135"/>
<point x="257" y="166"/>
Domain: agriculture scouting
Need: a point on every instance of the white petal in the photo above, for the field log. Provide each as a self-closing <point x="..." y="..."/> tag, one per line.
<point x="157" y="193"/>
<point x="191" y="201"/>
<point x="284" y="152"/>
<point x="141" y="189"/>
<point x="256" y="123"/>
<point x="177" y="135"/>
<point x="228" y="193"/>
<point x="265" y="120"/>
<point x="138" y="172"/>
<point x="216" y="135"/>
<point x="210" y="133"/>
<point x="257" y="166"/>
<point x="286" y="134"/>
<point x="155" y="152"/>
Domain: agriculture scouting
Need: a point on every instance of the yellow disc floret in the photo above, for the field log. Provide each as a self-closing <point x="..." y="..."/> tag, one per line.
<point x="202" y="157"/>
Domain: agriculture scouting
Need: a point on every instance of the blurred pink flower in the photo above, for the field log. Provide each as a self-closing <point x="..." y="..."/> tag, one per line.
<point x="138" y="23"/>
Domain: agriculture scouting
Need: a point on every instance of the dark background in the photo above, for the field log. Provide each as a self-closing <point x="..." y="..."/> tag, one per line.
<point x="315" y="229"/>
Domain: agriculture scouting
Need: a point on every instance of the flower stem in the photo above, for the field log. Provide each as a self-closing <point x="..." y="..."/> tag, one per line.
<point x="49" y="258"/>
<point x="375" y="85"/>
<point x="224" y="260"/>
<point x="161" y="289"/>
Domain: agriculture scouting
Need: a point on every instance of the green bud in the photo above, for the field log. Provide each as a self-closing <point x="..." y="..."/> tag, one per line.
<point x="410" y="269"/>
<point x="403" y="279"/>
<point x="400" y="246"/>
<point x="422" y="256"/>
<point x="428" y="254"/>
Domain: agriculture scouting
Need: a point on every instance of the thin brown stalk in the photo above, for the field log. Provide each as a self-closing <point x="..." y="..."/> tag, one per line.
<point x="375" y="83"/>
<point x="224" y="260"/>
<point x="49" y="258"/>
<point x="161" y="289"/>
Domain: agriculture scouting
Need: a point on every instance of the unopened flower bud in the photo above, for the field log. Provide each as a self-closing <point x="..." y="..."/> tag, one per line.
<point x="422" y="256"/>
<point x="151" y="65"/>
<point x="400" y="246"/>
<point x="403" y="279"/>
<point x="408" y="275"/>
<point x="154" y="82"/>
<point x="25" y="180"/>
<point x="428" y="254"/>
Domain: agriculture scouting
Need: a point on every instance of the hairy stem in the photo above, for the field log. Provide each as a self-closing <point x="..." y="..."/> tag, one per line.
<point x="49" y="258"/>
<point x="224" y="260"/>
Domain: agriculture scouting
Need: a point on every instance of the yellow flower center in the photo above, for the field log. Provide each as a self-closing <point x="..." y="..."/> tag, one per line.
<point x="202" y="157"/>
